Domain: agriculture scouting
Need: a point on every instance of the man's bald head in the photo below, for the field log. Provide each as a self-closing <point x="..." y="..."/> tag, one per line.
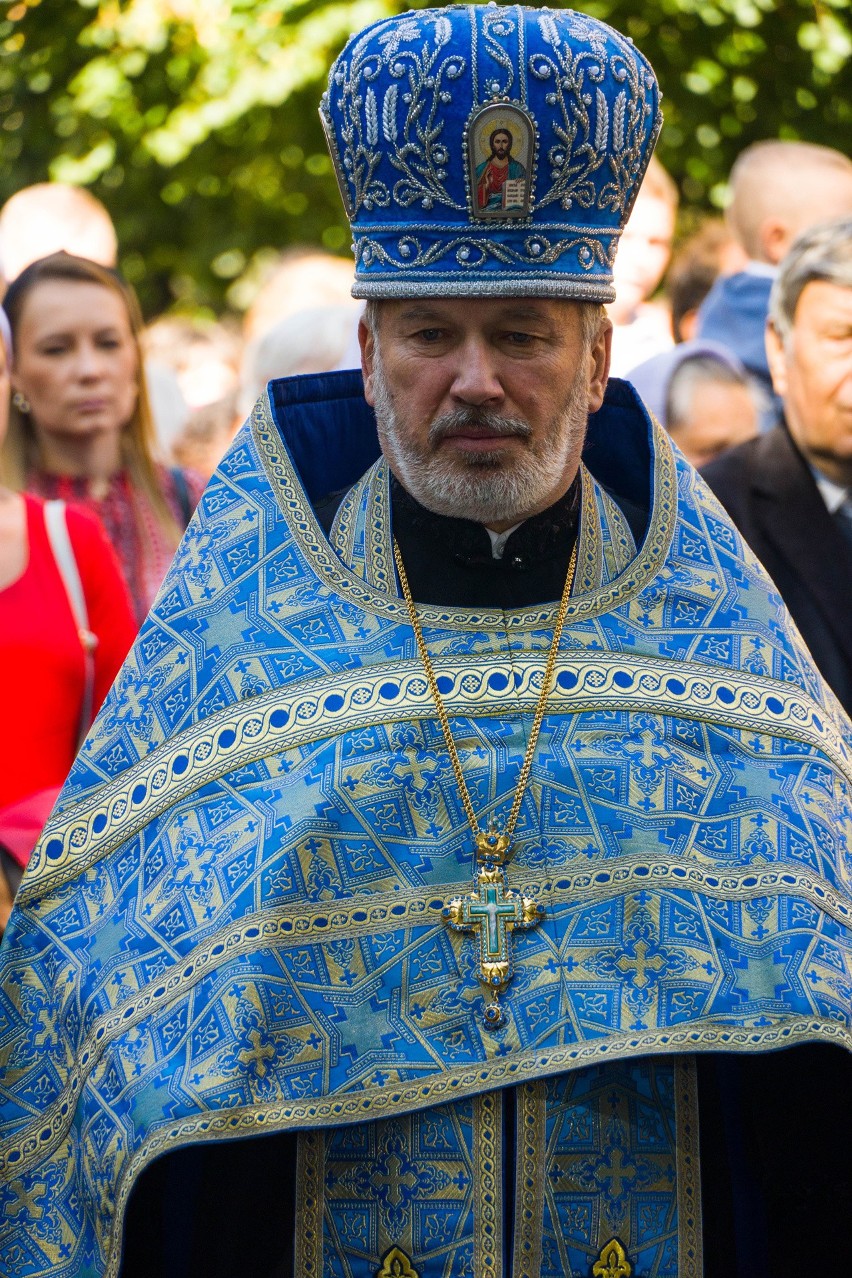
<point x="780" y="189"/>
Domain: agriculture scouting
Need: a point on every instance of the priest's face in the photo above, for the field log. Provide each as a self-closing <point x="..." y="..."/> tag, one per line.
<point x="482" y="403"/>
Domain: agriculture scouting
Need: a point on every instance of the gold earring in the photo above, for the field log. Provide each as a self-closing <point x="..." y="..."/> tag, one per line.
<point x="21" y="402"/>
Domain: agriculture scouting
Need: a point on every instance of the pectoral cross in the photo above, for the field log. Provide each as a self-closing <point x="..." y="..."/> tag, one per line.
<point x="494" y="913"/>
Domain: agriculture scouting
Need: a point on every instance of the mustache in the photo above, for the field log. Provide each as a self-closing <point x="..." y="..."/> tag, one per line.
<point x="466" y="420"/>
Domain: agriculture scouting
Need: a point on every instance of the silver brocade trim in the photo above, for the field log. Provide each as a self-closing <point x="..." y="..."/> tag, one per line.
<point x="474" y="53"/>
<point x="365" y="229"/>
<point x="652" y="145"/>
<point x="599" y="289"/>
<point x="499" y="25"/>
<point x="331" y="142"/>
<point x="474" y="254"/>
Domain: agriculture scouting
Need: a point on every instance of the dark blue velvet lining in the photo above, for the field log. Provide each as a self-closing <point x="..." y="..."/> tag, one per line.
<point x="329" y="431"/>
<point x="328" y="428"/>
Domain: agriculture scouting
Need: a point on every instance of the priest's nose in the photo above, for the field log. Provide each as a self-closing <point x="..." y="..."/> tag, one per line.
<point x="476" y="377"/>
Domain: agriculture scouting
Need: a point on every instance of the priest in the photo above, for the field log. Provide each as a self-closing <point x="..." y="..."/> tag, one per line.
<point x="456" y="879"/>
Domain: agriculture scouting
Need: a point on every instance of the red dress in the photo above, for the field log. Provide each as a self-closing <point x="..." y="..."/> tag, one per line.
<point x="42" y="668"/>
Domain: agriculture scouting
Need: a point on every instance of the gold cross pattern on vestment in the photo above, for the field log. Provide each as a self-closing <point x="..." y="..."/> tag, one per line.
<point x="494" y="913"/>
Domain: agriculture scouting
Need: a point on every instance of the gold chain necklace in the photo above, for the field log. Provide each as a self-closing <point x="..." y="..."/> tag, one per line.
<point x="491" y="910"/>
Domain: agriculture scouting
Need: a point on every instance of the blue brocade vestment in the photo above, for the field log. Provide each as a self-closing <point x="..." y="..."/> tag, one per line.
<point x="232" y="924"/>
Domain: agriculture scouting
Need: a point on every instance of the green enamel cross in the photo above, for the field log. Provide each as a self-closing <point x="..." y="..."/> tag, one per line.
<point x="493" y="913"/>
<point x="491" y="917"/>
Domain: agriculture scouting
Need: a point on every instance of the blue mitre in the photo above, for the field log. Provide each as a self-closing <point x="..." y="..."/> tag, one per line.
<point x="489" y="150"/>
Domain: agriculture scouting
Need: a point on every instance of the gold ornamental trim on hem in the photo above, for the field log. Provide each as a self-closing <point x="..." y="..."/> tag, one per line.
<point x="419" y="911"/>
<point x="529" y="1178"/>
<point x="687" y="1150"/>
<point x="488" y="1186"/>
<point x="464" y="1081"/>
<point x="612" y="1262"/>
<point x="412" y="908"/>
<point x="232" y="1124"/>
<point x="396" y="1265"/>
<point x="315" y="709"/>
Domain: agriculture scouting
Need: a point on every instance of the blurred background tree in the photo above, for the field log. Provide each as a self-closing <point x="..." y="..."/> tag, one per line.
<point x="195" y="121"/>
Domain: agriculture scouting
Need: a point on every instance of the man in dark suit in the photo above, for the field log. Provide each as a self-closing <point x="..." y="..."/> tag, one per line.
<point x="790" y="491"/>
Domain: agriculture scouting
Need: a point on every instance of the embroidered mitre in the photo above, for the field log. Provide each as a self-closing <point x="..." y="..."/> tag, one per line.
<point x="487" y="149"/>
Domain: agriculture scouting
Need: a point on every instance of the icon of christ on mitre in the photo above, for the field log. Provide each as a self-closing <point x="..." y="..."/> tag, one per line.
<point x="501" y="179"/>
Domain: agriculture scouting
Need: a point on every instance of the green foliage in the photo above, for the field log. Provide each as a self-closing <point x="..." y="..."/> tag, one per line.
<point x="195" y="121"/>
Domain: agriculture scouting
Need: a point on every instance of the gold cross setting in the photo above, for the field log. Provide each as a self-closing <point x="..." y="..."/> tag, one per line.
<point x="493" y="913"/>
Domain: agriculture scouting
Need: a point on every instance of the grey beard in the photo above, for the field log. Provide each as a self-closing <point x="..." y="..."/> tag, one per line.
<point x="487" y="487"/>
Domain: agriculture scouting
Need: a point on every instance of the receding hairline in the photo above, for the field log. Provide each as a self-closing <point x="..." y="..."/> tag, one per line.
<point x="821" y="255"/>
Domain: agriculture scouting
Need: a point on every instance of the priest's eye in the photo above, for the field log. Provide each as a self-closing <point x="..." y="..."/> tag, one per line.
<point x="430" y="335"/>
<point x="519" y="339"/>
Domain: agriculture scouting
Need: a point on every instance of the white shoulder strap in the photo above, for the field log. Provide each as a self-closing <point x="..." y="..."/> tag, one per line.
<point x="66" y="561"/>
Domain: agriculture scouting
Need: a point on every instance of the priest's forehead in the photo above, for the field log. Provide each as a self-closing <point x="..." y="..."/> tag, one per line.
<point x="504" y="312"/>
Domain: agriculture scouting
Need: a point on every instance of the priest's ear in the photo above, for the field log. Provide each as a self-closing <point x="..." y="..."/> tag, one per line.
<point x="776" y="357"/>
<point x="599" y="357"/>
<point x="367" y="342"/>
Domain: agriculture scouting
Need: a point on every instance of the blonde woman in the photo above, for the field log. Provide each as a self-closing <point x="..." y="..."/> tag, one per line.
<point x="80" y="425"/>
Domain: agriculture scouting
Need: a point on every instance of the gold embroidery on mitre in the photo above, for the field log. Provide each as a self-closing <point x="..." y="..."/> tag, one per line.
<point x="396" y="1265"/>
<point x="612" y="1262"/>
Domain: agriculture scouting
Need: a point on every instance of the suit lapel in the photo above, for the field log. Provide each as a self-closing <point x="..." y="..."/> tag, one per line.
<point x="790" y="502"/>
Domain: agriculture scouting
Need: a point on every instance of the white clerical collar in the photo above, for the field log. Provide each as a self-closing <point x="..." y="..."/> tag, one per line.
<point x="834" y="495"/>
<point x="498" y="540"/>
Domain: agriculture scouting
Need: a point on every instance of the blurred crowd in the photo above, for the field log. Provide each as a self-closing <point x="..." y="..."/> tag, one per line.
<point x="737" y="335"/>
